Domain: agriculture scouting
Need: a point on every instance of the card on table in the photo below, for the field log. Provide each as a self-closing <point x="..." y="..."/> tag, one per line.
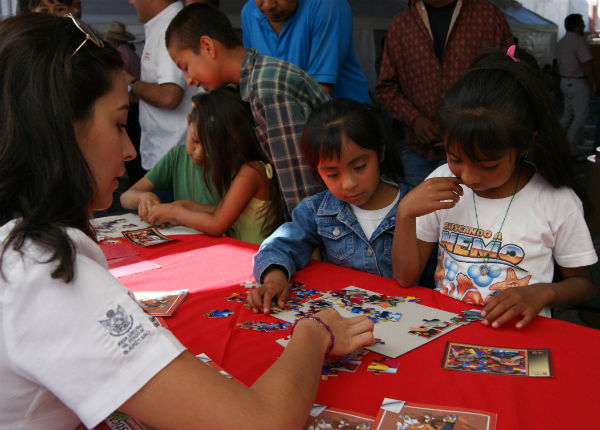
<point x="400" y="415"/>
<point x="323" y="417"/>
<point x="497" y="360"/>
<point x="160" y="303"/>
<point x="112" y="226"/>
<point x="146" y="236"/>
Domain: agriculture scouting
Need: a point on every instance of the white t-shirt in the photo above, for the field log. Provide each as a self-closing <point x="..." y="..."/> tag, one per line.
<point x="543" y="223"/>
<point x="71" y="352"/>
<point x="162" y="128"/>
<point x="370" y="220"/>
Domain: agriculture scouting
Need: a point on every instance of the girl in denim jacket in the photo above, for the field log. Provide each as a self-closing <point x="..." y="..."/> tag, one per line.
<point x="352" y="222"/>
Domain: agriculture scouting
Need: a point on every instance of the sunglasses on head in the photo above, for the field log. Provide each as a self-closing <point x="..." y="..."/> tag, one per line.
<point x="87" y="31"/>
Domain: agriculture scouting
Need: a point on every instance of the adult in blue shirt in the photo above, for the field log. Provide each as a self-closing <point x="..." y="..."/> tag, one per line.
<point x="315" y="35"/>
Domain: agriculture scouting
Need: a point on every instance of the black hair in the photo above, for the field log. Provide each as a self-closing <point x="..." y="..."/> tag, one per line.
<point x="35" y="3"/>
<point x="45" y="182"/>
<point x="500" y="104"/>
<point x="214" y="3"/>
<point x="225" y="128"/>
<point x="573" y="21"/>
<point x="332" y="121"/>
<point x="197" y="20"/>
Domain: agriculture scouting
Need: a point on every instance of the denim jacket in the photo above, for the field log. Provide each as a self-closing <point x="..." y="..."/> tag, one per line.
<point x="322" y="221"/>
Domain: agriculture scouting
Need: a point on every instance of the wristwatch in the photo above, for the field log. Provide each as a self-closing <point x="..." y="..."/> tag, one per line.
<point x="130" y="86"/>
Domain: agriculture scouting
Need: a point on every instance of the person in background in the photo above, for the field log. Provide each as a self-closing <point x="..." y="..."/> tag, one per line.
<point x="315" y="35"/>
<point x="76" y="9"/>
<point x="428" y="46"/>
<point x="351" y="224"/>
<point x="74" y="345"/>
<point x="203" y="43"/>
<point x="505" y="207"/>
<point x="53" y="7"/>
<point x="121" y="39"/>
<point x="577" y="82"/>
<point x="162" y="92"/>
<point x="221" y="150"/>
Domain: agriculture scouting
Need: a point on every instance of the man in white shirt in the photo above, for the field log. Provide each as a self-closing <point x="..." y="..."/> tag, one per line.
<point x="165" y="99"/>
<point x="576" y="79"/>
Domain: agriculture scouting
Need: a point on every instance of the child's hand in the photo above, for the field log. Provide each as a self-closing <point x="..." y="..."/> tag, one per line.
<point x="350" y="333"/>
<point x="147" y="200"/>
<point x="275" y="285"/>
<point x="430" y="195"/>
<point x="161" y="214"/>
<point x="526" y="301"/>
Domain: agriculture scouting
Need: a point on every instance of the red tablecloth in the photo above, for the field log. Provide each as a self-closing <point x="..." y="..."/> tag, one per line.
<point x="213" y="268"/>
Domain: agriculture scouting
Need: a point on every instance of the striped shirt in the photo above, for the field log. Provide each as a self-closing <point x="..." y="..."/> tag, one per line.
<point x="282" y="97"/>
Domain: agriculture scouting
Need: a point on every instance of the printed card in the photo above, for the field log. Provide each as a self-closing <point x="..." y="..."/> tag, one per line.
<point x="323" y="417"/>
<point x="146" y="236"/>
<point x="160" y="303"/>
<point x="398" y="414"/>
<point x="497" y="360"/>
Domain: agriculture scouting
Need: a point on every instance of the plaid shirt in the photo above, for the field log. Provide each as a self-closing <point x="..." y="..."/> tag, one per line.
<point x="282" y="97"/>
<point x="412" y="81"/>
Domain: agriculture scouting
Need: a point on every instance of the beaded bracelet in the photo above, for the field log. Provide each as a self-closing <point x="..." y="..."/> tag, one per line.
<point x="320" y="321"/>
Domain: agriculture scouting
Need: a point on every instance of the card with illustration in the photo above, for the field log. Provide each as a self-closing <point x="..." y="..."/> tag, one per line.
<point x="394" y="317"/>
<point x="497" y="360"/>
<point x="160" y="303"/>
<point x="401" y="415"/>
<point x="112" y="226"/>
<point x="146" y="236"/>
<point x="323" y="417"/>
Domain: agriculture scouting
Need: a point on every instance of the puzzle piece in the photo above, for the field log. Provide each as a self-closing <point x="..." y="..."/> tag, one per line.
<point x="215" y="313"/>
<point x="237" y="297"/>
<point x="383" y="365"/>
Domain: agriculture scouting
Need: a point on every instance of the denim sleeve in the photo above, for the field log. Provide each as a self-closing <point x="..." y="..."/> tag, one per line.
<point x="292" y="244"/>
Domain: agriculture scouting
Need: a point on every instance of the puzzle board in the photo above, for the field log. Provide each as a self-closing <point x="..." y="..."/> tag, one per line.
<point x="112" y="226"/>
<point x="395" y="334"/>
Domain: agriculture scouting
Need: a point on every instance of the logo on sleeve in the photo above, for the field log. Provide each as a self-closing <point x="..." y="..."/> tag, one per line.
<point x="118" y="323"/>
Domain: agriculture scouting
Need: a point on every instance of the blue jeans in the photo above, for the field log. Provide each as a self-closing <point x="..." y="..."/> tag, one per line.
<point x="417" y="167"/>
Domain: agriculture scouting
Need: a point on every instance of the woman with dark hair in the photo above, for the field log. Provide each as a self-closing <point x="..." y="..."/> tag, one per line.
<point x="74" y="346"/>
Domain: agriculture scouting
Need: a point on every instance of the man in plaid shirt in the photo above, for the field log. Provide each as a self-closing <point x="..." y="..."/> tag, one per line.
<point x="203" y="44"/>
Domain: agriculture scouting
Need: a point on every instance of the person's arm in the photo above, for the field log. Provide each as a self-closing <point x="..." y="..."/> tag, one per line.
<point x="188" y="394"/>
<point x="215" y="223"/>
<point x="409" y="255"/>
<point x="528" y="301"/>
<point x="166" y="95"/>
<point x="141" y="197"/>
<point x="388" y="90"/>
<point x="588" y="71"/>
<point x="326" y="87"/>
<point x="287" y="250"/>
